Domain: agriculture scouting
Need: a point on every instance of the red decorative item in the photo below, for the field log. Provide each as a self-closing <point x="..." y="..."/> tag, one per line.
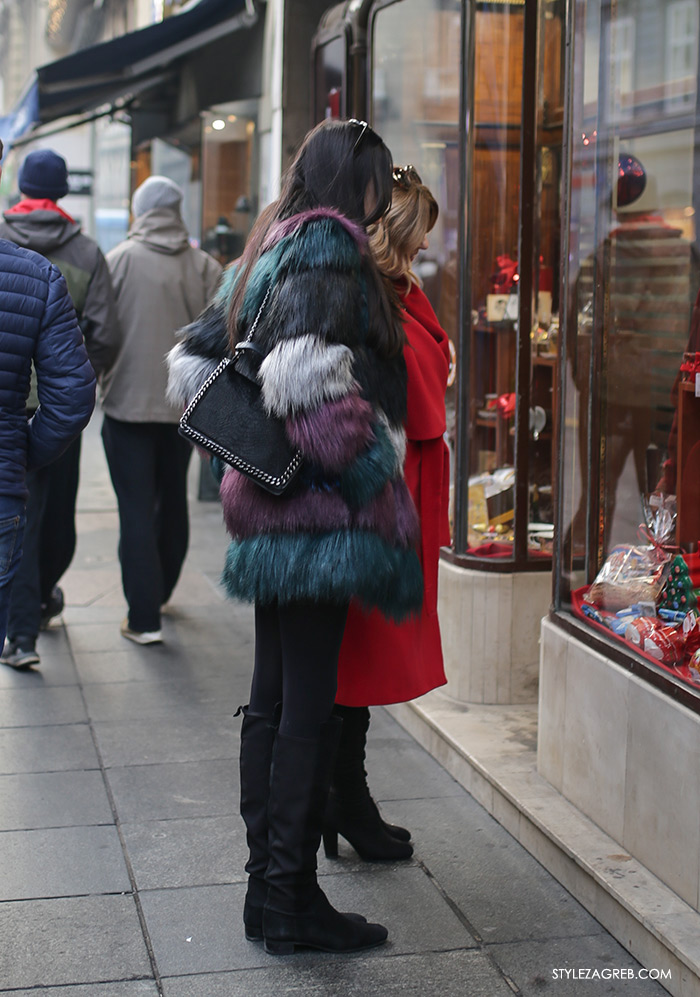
<point x="506" y="405"/>
<point x="664" y="643"/>
<point x="691" y="631"/>
<point x="506" y="275"/>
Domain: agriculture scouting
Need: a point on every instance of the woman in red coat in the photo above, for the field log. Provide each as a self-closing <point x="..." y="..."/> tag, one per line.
<point x="382" y="662"/>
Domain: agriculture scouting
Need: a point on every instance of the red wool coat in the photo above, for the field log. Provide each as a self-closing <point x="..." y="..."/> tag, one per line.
<point x="382" y="662"/>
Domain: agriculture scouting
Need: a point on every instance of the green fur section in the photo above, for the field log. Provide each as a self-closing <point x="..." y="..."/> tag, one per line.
<point x="327" y="567"/>
<point x="322" y="244"/>
<point x="364" y="479"/>
<point x="326" y="245"/>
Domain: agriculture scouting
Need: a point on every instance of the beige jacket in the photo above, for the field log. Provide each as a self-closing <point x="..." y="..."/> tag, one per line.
<point x="161" y="284"/>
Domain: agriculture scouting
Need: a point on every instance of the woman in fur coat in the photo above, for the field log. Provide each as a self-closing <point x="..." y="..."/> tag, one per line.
<point x="382" y="662"/>
<point x="346" y="528"/>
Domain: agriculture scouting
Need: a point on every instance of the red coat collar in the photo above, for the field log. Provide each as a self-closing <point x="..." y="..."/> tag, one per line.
<point x="30" y="204"/>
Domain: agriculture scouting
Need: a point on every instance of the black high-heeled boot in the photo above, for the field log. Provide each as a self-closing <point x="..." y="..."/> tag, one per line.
<point x="351" y="812"/>
<point x="297" y="912"/>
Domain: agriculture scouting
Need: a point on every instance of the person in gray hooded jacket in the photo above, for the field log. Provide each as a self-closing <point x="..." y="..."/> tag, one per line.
<point x="161" y="284"/>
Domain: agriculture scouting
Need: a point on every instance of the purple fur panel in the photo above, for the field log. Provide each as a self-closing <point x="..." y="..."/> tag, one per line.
<point x="379" y="515"/>
<point x="250" y="510"/>
<point x="392" y="515"/>
<point x="407" y="520"/>
<point x="334" y="434"/>
<point x="288" y="225"/>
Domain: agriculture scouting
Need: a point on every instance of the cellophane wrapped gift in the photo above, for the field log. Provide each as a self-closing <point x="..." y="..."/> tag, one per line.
<point x="634" y="574"/>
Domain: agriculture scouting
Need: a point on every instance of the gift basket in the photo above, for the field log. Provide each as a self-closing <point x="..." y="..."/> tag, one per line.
<point x="647" y="594"/>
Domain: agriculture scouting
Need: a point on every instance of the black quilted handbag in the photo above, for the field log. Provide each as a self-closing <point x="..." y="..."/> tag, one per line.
<point x="227" y="418"/>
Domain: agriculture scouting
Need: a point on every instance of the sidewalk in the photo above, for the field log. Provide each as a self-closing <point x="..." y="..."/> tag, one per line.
<point x="122" y="852"/>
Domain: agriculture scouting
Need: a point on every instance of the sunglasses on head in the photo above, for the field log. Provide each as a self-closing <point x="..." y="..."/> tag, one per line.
<point x="404" y="176"/>
<point x="363" y="126"/>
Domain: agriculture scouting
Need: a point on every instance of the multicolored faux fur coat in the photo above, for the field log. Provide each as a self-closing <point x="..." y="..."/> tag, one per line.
<point x="347" y="527"/>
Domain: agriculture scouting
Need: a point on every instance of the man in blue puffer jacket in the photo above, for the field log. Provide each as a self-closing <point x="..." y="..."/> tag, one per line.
<point x="37" y="322"/>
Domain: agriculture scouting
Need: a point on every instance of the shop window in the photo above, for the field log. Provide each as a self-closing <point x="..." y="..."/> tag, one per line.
<point x="681" y="54"/>
<point x="415" y="93"/>
<point x="228" y="169"/>
<point x="330" y="63"/>
<point x="630" y="413"/>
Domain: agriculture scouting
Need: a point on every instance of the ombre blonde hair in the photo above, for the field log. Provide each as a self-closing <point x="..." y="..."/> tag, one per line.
<point x="397" y="235"/>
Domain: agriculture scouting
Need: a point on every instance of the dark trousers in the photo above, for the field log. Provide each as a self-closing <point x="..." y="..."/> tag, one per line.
<point x="49" y="540"/>
<point x="11" y="530"/>
<point x="148" y="464"/>
<point x="296" y="664"/>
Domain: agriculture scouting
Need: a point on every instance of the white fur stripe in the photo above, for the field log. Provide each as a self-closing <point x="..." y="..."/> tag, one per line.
<point x="187" y="372"/>
<point x="397" y="435"/>
<point x="301" y="373"/>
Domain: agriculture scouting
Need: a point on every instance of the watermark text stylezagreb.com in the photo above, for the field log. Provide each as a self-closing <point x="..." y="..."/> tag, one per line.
<point x="626" y="973"/>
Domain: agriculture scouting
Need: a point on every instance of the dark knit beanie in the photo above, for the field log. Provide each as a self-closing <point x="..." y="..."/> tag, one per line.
<point x="44" y="174"/>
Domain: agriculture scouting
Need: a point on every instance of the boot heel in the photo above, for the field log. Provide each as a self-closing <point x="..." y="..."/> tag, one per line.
<point x="330" y="843"/>
<point x="277" y="947"/>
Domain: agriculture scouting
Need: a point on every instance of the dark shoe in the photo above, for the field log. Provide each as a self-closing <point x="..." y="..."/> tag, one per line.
<point x="52" y="608"/>
<point x="395" y="830"/>
<point x="20" y="653"/>
<point x="253" y="914"/>
<point x="351" y="810"/>
<point x="359" y="822"/>
<point x="318" y="926"/>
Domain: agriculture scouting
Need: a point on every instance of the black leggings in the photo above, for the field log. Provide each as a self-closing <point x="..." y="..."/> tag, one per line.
<point x="296" y="663"/>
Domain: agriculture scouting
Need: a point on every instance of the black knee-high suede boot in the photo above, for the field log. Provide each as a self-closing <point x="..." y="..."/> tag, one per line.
<point x="297" y="912"/>
<point x="351" y="811"/>
<point x="257" y="739"/>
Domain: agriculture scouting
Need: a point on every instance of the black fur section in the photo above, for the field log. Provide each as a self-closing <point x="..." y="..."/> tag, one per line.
<point x="383" y="382"/>
<point x="207" y="336"/>
<point x="322" y="303"/>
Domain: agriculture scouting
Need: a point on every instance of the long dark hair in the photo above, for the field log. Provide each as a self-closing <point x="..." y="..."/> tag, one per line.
<point x="342" y="165"/>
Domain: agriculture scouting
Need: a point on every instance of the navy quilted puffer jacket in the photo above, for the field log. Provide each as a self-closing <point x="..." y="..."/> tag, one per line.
<point x="37" y="321"/>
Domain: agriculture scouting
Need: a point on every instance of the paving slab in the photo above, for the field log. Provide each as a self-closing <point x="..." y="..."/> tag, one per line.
<point x="595" y="965"/>
<point x="47" y="749"/>
<point x="53" y="799"/>
<point x="130" y="988"/>
<point x="197" y="697"/>
<point x="78" y="940"/>
<point x="504" y="893"/>
<point x="197" y="851"/>
<point x="168" y="739"/>
<point x="57" y="669"/>
<point x="450" y="974"/>
<point x="162" y="663"/>
<point x="62" y="862"/>
<point x="183" y="789"/>
<point x="37" y="704"/>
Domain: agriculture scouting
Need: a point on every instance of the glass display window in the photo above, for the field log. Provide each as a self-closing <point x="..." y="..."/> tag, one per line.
<point x="629" y="515"/>
<point x="229" y="199"/>
<point x="330" y="61"/>
<point x="415" y="58"/>
<point x="478" y="108"/>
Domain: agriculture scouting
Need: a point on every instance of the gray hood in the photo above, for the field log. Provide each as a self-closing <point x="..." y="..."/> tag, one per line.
<point x="43" y="231"/>
<point x="161" y="229"/>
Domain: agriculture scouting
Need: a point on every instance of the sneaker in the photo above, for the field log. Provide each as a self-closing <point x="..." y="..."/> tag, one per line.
<point x="54" y="607"/>
<point x="20" y="653"/>
<point x="141" y="636"/>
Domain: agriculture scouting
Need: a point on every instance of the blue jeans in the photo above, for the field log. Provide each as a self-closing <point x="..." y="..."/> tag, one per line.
<point x="11" y="533"/>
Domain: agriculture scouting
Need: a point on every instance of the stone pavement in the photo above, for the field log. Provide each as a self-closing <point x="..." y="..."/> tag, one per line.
<point x="122" y="853"/>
